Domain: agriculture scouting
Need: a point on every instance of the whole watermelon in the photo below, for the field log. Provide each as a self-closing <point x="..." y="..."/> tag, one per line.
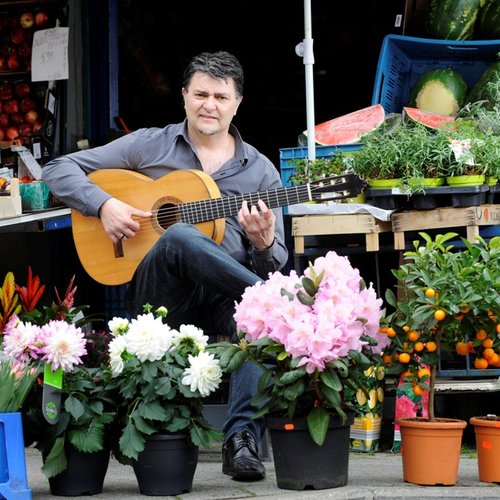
<point x="487" y="88"/>
<point x="451" y="19"/>
<point x="441" y="91"/>
<point x="489" y="20"/>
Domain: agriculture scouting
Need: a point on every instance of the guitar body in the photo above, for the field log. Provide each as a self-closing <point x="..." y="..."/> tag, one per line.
<point x="115" y="264"/>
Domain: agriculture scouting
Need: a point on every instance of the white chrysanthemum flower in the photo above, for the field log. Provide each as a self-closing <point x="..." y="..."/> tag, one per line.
<point x="204" y="373"/>
<point x="116" y="348"/>
<point x="189" y="336"/>
<point x="148" y="338"/>
<point x="64" y="344"/>
<point x="117" y="326"/>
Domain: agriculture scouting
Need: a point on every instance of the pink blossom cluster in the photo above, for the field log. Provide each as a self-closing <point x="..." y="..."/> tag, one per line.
<point x="59" y="343"/>
<point x="343" y="310"/>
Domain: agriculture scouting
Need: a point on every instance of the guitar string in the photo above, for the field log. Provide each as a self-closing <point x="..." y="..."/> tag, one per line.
<point x="197" y="211"/>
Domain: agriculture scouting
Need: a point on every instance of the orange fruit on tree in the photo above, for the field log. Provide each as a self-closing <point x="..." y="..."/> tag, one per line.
<point x="390" y="332"/>
<point x="417" y="390"/>
<point x="481" y="334"/>
<point x="423" y="372"/>
<point x="419" y="346"/>
<point x="439" y="315"/>
<point x="406" y="328"/>
<point x="481" y="363"/>
<point x="404" y="357"/>
<point x="488" y="353"/>
<point x="498" y="328"/>
<point x="387" y="359"/>
<point x="430" y="292"/>
<point x="488" y="342"/>
<point x="462" y="348"/>
<point x="431" y="346"/>
<point x="413" y="335"/>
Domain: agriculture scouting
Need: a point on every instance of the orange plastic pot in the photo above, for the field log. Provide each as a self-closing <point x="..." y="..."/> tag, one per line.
<point x="431" y="450"/>
<point x="487" y="430"/>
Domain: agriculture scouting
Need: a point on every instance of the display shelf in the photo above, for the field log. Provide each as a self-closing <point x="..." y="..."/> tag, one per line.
<point x="46" y="220"/>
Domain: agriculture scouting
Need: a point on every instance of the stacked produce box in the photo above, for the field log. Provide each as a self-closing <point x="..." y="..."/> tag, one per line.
<point x="27" y="108"/>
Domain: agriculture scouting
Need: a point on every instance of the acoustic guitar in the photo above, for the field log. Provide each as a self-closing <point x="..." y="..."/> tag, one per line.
<point x="189" y="196"/>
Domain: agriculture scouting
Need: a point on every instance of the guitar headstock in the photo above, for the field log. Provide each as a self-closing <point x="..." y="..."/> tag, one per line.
<point x="337" y="187"/>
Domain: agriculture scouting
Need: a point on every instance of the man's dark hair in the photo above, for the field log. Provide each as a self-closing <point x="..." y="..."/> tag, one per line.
<point x="218" y="65"/>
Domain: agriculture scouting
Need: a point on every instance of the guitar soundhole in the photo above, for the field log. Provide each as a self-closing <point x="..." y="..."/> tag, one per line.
<point x="167" y="212"/>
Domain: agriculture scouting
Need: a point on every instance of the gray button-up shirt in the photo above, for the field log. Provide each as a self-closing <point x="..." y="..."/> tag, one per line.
<point x="155" y="152"/>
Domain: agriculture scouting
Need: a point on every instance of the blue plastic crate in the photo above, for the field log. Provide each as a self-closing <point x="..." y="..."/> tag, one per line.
<point x="404" y="59"/>
<point x="288" y="155"/>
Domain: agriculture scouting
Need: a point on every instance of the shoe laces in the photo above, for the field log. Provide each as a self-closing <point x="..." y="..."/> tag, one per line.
<point x="244" y="439"/>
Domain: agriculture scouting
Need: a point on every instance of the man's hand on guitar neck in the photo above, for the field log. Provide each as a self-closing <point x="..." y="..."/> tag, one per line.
<point x="118" y="220"/>
<point x="258" y="223"/>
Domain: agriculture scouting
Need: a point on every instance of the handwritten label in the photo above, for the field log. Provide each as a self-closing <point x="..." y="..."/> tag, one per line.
<point x="49" y="57"/>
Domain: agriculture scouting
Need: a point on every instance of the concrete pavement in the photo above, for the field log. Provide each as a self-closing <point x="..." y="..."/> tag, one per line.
<point x="375" y="476"/>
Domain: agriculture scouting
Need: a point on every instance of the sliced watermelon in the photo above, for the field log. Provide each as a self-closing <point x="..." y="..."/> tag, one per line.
<point x="431" y="120"/>
<point x="440" y="91"/>
<point x="348" y="129"/>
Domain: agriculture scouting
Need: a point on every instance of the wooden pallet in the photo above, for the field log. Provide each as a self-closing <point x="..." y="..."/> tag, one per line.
<point x="317" y="225"/>
<point x="421" y="220"/>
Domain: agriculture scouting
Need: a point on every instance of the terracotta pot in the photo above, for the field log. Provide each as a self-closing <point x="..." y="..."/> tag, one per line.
<point x="431" y="450"/>
<point x="487" y="430"/>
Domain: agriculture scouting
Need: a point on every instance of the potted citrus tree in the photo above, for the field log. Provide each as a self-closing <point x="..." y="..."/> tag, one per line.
<point x="449" y="300"/>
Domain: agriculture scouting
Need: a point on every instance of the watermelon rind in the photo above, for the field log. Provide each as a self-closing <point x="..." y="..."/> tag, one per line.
<point x="441" y="91"/>
<point x="486" y="87"/>
<point x="489" y="20"/>
<point x="349" y="128"/>
<point x="430" y="120"/>
<point x="452" y="19"/>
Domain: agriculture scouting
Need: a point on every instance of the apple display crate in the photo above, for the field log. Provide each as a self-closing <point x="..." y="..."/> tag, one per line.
<point x="404" y="59"/>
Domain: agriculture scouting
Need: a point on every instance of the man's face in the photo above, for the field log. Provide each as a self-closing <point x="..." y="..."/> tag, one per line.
<point x="210" y="104"/>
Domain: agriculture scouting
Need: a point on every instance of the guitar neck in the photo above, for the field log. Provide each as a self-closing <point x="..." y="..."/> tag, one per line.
<point x="195" y="212"/>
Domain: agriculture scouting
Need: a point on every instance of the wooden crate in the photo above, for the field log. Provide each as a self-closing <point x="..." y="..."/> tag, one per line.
<point x="317" y="225"/>
<point x="422" y="220"/>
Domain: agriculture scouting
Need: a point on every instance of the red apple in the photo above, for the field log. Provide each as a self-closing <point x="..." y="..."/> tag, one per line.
<point x="25" y="129"/>
<point x="26" y="20"/>
<point x="27" y="104"/>
<point x="31" y="118"/>
<point x="3" y="64"/>
<point x="41" y="18"/>
<point x="12" y="133"/>
<point x="17" y="35"/>
<point x="11" y="106"/>
<point x="6" y="90"/>
<point x="14" y="63"/>
<point x="4" y="120"/>
<point x="37" y="126"/>
<point x="22" y="89"/>
<point x="24" y="50"/>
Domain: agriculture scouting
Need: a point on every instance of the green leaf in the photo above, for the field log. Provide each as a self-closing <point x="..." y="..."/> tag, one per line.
<point x="305" y="299"/>
<point x="318" y="421"/>
<point x="74" y="406"/>
<point x="292" y="376"/>
<point x="236" y="361"/>
<point x="309" y="286"/>
<point x="152" y="411"/>
<point x="131" y="441"/>
<point x="331" y="379"/>
<point x="55" y="462"/>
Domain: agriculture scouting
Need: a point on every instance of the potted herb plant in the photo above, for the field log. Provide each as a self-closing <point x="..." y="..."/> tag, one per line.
<point x="449" y="300"/>
<point x="312" y="335"/>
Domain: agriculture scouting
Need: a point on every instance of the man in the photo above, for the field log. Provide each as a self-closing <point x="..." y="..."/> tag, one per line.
<point x="197" y="280"/>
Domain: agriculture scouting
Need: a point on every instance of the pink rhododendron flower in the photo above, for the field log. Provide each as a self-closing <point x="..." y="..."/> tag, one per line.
<point x="342" y="310"/>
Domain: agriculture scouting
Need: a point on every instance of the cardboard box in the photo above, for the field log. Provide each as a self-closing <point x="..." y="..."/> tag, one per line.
<point x="10" y="204"/>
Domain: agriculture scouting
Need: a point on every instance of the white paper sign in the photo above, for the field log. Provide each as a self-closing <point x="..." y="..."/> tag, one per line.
<point x="49" y="57"/>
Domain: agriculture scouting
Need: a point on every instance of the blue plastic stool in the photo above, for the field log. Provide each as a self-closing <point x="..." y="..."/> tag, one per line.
<point x="13" y="480"/>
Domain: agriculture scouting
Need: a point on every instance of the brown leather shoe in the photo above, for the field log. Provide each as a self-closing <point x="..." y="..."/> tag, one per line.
<point x="240" y="458"/>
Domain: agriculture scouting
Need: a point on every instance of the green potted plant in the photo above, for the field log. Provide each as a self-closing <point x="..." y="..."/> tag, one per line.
<point x="312" y="335"/>
<point x="35" y="338"/>
<point x="161" y="376"/>
<point x="449" y="300"/>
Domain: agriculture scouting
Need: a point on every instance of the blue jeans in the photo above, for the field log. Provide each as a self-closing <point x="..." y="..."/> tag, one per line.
<point x="198" y="282"/>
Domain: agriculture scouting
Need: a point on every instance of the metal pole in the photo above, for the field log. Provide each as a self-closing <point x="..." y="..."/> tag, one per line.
<point x="305" y="50"/>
